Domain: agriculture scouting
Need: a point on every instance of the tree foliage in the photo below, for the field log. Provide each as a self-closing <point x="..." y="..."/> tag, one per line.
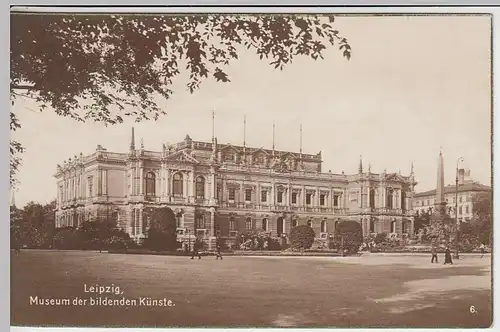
<point x="482" y="220"/>
<point x="32" y="225"/>
<point x="302" y="237"/>
<point x="162" y="231"/>
<point x="108" y="67"/>
<point x="348" y="235"/>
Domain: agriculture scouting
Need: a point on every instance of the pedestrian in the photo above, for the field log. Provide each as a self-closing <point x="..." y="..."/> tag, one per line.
<point x="218" y="255"/>
<point x="434" y="254"/>
<point x="447" y="256"/>
<point x="482" y="248"/>
<point x="196" y="247"/>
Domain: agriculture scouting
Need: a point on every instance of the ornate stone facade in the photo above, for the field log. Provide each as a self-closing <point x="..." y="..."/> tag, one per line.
<point x="220" y="190"/>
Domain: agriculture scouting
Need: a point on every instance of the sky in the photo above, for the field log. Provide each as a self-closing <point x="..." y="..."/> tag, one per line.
<point x="414" y="85"/>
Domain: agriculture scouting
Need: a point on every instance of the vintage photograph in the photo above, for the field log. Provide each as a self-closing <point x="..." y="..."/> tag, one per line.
<point x="328" y="170"/>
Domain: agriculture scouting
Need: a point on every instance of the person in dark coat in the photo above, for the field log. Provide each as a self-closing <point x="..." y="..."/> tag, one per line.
<point x="196" y="248"/>
<point x="218" y="254"/>
<point x="447" y="256"/>
<point x="434" y="254"/>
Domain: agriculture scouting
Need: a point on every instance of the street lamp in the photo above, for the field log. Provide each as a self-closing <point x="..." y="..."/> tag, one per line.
<point x="460" y="159"/>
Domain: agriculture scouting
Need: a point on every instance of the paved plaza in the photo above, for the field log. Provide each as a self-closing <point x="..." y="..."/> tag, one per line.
<point x="373" y="290"/>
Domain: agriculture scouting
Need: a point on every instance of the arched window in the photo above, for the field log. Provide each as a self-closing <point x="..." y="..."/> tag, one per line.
<point x="389" y="199"/>
<point x="200" y="221"/>
<point x="404" y="226"/>
<point x="200" y="187"/>
<point x="150" y="184"/>
<point x="264" y="224"/>
<point x="248" y="223"/>
<point x="177" y="184"/>
<point x="309" y="223"/>
<point x="372" y="225"/>
<point x="393" y="226"/>
<point x="403" y="201"/>
<point x="372" y="198"/>
<point x="295" y="222"/>
<point x="323" y="226"/>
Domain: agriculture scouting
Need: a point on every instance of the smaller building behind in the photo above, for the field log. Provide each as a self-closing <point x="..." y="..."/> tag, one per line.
<point x="467" y="188"/>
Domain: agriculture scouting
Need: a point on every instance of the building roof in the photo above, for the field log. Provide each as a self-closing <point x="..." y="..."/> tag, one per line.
<point x="466" y="187"/>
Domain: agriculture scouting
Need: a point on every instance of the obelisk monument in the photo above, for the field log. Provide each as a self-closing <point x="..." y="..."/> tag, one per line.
<point x="439" y="211"/>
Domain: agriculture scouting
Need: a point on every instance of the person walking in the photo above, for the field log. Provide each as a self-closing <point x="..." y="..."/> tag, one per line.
<point x="196" y="247"/>
<point x="434" y="254"/>
<point x="447" y="256"/>
<point x="218" y="254"/>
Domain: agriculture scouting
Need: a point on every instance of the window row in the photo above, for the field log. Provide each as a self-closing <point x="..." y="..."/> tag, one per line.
<point x="177" y="185"/>
<point x="280" y="195"/>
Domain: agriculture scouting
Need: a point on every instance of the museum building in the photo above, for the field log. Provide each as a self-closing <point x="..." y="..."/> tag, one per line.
<point x="223" y="189"/>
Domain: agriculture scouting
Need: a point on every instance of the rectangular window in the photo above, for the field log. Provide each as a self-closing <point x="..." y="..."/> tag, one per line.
<point x="459" y="210"/>
<point x="248" y="195"/>
<point x="467" y="209"/>
<point x="460" y="199"/>
<point x="335" y="201"/>
<point x="90" y="183"/>
<point x="263" y="196"/>
<point x="308" y="199"/>
<point x="322" y="200"/>
<point x="231" y="225"/>
<point x="294" y="198"/>
<point x="232" y="194"/>
<point x="280" y="197"/>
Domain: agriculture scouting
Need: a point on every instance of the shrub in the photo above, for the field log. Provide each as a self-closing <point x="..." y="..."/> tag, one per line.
<point x="380" y="237"/>
<point x="301" y="237"/>
<point x="349" y="235"/>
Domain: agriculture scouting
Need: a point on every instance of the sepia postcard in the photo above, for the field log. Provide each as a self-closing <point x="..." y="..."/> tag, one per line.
<point x="250" y="169"/>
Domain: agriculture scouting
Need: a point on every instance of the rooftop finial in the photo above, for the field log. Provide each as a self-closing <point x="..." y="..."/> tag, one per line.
<point x="360" y="170"/>
<point x="142" y="143"/>
<point x="213" y="126"/>
<point x="273" y="137"/>
<point x="300" y="141"/>
<point x="132" y="141"/>
<point x="244" y="130"/>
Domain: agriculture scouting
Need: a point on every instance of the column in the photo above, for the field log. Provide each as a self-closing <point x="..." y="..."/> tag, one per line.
<point x="140" y="221"/>
<point x="167" y="182"/>
<point x="161" y="179"/>
<point x="212" y="227"/>
<point x="185" y="192"/>
<point x="272" y="199"/>
<point x="383" y="196"/>
<point x="258" y="195"/>
<point x="105" y="182"/>
<point x="303" y="196"/>
<point x="213" y="191"/>
<point x="242" y="194"/>
<point x="224" y="190"/>
<point x="141" y="180"/>
<point x="212" y="222"/>
<point x="316" y="198"/>
<point x="191" y="186"/>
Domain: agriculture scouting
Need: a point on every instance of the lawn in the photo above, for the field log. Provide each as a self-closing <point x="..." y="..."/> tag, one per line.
<point x="368" y="291"/>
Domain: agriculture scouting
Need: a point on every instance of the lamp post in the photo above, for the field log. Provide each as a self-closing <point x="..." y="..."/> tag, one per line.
<point x="456" y="209"/>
